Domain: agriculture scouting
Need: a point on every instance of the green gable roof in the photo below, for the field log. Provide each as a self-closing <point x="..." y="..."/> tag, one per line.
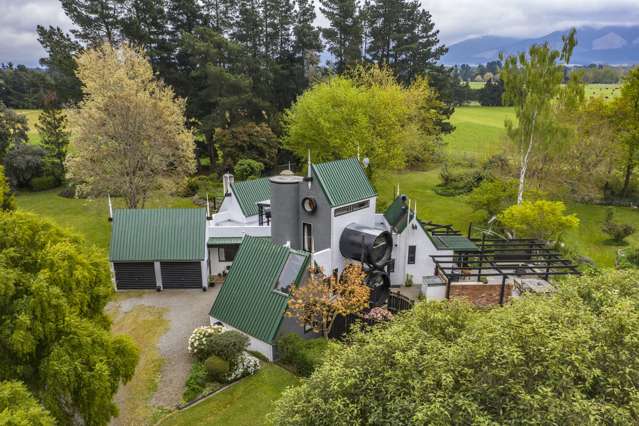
<point x="395" y="214"/>
<point x="158" y="234"/>
<point x="343" y="181"/>
<point x="247" y="300"/>
<point x="251" y="192"/>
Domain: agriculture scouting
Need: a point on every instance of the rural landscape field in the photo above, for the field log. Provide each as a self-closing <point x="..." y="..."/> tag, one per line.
<point x="319" y="212"/>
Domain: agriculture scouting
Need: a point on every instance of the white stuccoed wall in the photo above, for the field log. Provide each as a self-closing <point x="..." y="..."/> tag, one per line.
<point x="256" y="345"/>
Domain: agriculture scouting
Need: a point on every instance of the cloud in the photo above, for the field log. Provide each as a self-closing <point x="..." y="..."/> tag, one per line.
<point x="461" y="19"/>
<point x="18" y="21"/>
<point x="456" y="20"/>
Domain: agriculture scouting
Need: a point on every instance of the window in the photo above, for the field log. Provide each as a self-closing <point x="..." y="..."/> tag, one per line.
<point x="227" y="253"/>
<point x="307" y="237"/>
<point x="352" y="207"/>
<point x="391" y="266"/>
<point x="411" y="254"/>
<point x="290" y="271"/>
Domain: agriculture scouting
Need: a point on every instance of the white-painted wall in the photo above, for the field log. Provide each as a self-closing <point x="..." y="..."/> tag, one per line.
<point x="216" y="265"/>
<point x="255" y="344"/>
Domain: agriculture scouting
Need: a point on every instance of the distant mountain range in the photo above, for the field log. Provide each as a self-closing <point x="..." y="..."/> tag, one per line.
<point x="614" y="45"/>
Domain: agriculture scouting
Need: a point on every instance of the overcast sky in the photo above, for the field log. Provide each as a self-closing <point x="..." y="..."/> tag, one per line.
<point x="456" y="20"/>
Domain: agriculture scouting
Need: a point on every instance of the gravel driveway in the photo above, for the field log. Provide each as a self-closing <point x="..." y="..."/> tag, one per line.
<point x="186" y="310"/>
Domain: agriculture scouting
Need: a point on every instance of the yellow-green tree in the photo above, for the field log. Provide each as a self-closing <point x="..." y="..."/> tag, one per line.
<point x="128" y="133"/>
<point x="365" y="111"/>
<point x="542" y="219"/>
<point x="626" y="117"/>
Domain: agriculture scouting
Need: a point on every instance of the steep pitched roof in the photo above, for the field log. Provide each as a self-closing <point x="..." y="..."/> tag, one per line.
<point x="158" y="234"/>
<point x="343" y="181"/>
<point x="248" y="300"/>
<point x="396" y="213"/>
<point x="251" y="192"/>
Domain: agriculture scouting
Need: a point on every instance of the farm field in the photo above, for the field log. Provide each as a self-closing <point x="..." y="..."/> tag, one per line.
<point x="608" y="91"/>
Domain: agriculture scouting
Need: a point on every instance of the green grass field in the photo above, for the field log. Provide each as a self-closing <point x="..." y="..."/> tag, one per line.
<point x="608" y="91"/>
<point x="88" y="217"/>
<point x="245" y="403"/>
<point x="32" y="118"/>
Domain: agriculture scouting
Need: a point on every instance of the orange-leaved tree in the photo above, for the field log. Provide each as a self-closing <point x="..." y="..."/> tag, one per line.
<point x="322" y="299"/>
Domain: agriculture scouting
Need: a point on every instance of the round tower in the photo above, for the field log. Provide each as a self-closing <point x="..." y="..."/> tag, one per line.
<point x="285" y="205"/>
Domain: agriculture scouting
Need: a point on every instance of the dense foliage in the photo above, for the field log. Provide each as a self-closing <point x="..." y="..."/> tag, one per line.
<point x="303" y="355"/>
<point x="129" y="135"/>
<point x="55" y="336"/>
<point x="568" y="358"/>
<point x="617" y="231"/>
<point x="14" y="129"/>
<point x="54" y="137"/>
<point x="7" y="199"/>
<point x="366" y="112"/>
<point x="18" y="407"/>
<point x="542" y="219"/>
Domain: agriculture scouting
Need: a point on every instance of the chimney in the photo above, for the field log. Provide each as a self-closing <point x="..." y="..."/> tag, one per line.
<point x="227" y="181"/>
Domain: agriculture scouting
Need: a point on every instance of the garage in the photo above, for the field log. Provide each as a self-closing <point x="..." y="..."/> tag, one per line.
<point x="181" y="274"/>
<point x="135" y="276"/>
<point x="158" y="249"/>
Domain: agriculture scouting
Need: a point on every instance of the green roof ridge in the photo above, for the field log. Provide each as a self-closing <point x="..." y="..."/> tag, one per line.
<point x="248" y="299"/>
<point x="164" y="234"/>
<point x="343" y="181"/>
<point x="250" y="192"/>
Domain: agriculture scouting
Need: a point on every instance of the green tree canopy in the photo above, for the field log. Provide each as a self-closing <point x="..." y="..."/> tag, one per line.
<point x="541" y="219"/>
<point x="19" y="408"/>
<point x="571" y="357"/>
<point x="7" y="200"/>
<point x="55" y="336"/>
<point x="392" y="124"/>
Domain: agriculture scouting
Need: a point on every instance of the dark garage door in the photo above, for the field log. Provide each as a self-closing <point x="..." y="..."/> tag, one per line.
<point x="134" y="276"/>
<point x="181" y="274"/>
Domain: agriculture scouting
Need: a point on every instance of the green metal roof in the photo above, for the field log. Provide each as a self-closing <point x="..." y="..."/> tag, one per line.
<point x="452" y="242"/>
<point x="223" y="241"/>
<point x="247" y="299"/>
<point x="395" y="214"/>
<point x="343" y="181"/>
<point x="158" y="234"/>
<point x="251" y="192"/>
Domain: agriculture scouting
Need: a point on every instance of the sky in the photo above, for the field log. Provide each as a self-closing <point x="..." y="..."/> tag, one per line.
<point x="456" y="19"/>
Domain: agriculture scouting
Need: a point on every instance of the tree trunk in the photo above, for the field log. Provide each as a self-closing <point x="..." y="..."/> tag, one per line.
<point x="630" y="166"/>
<point x="524" y="162"/>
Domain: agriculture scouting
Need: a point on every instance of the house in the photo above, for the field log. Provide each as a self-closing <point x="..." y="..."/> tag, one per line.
<point x="268" y="231"/>
<point x="157" y="249"/>
<point x="254" y="296"/>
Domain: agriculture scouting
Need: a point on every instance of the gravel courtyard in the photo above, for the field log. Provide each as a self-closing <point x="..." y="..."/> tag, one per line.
<point x="184" y="310"/>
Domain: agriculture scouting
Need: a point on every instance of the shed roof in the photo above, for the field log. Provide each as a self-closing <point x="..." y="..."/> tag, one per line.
<point x="248" y="300"/>
<point x="158" y="234"/>
<point x="453" y="242"/>
<point x="343" y="181"/>
<point x="396" y="213"/>
<point x="251" y="192"/>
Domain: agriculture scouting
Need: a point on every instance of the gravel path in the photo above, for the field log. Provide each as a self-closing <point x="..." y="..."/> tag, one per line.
<point x="186" y="310"/>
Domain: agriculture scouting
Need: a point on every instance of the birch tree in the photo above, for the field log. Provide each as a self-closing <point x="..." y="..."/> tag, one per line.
<point x="128" y="133"/>
<point x="531" y="82"/>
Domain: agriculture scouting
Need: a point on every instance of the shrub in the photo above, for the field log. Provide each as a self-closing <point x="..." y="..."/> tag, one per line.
<point x="543" y="219"/>
<point x="228" y="345"/>
<point x="195" y="383"/>
<point x="217" y="368"/>
<point x="379" y="314"/>
<point x="200" y="340"/>
<point x="22" y="163"/>
<point x="248" y="169"/>
<point x="618" y="232"/>
<point x="455" y="181"/>
<point x="42" y="183"/>
<point x="244" y="365"/>
<point x="303" y="355"/>
<point x="7" y="199"/>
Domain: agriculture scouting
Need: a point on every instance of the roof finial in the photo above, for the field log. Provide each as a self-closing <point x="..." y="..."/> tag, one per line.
<point x="357" y="151"/>
<point x="308" y="172"/>
<point x="208" y="207"/>
<point x="415" y="211"/>
<point x="408" y="215"/>
<point x="110" y="207"/>
<point x="397" y="193"/>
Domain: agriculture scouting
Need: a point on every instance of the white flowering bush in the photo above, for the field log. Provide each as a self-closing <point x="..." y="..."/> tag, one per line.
<point x="244" y="365"/>
<point x="200" y="340"/>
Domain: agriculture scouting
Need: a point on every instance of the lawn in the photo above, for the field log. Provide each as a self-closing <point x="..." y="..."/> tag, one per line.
<point x="88" y="217"/>
<point x="145" y="325"/>
<point x="32" y="117"/>
<point x="245" y="403"/>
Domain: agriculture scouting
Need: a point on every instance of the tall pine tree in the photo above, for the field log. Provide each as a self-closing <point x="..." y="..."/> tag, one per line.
<point x="344" y="34"/>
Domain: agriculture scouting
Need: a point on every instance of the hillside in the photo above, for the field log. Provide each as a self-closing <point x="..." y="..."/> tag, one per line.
<point x="614" y="45"/>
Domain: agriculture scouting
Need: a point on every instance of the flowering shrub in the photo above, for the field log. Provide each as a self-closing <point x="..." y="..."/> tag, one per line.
<point x="200" y="340"/>
<point x="379" y="314"/>
<point x="244" y="365"/>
